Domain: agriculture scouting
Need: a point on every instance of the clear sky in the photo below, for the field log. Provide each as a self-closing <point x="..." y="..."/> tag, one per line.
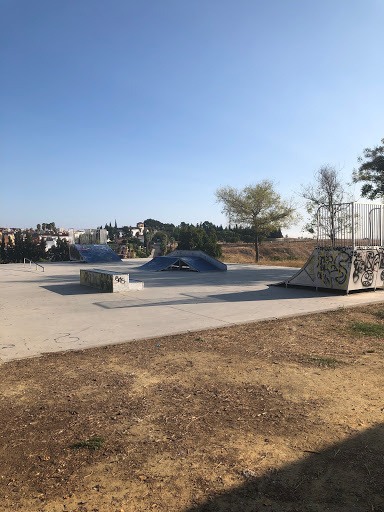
<point x="131" y="109"/>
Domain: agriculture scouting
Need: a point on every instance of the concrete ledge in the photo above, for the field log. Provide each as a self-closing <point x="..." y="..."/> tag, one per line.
<point x="109" y="281"/>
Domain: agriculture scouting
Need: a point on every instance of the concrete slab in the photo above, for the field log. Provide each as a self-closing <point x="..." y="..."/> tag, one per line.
<point x="50" y="311"/>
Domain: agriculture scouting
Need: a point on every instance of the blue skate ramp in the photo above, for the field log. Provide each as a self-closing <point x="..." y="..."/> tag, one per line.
<point x="159" y="263"/>
<point x="195" y="261"/>
<point x="92" y="253"/>
<point x="198" y="264"/>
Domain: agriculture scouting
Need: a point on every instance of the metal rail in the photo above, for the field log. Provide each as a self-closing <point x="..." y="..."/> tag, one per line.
<point x="34" y="263"/>
<point x="350" y="225"/>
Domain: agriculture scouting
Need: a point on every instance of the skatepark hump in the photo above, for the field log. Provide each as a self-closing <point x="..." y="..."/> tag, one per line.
<point x="194" y="261"/>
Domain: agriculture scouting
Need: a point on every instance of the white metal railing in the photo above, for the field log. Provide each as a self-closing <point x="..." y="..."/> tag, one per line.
<point x="33" y="263"/>
<point x="350" y="225"/>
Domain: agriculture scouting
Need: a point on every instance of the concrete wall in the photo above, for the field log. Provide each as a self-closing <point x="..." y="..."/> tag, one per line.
<point x="108" y="281"/>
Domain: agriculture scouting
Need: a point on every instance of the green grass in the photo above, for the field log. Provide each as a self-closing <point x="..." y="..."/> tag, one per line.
<point x="93" y="443"/>
<point x="379" y="314"/>
<point x="368" y="328"/>
<point x="323" y="362"/>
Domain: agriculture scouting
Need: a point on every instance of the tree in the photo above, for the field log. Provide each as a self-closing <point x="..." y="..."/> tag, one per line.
<point x="327" y="191"/>
<point x="3" y="251"/>
<point x="196" y="238"/>
<point x="28" y="251"/>
<point x="148" y="237"/>
<point x="371" y="172"/>
<point x="10" y="251"/>
<point x="153" y="224"/>
<point x="127" y="231"/>
<point x="60" y="252"/>
<point x="18" y="249"/>
<point x="42" y="250"/>
<point x="258" y="206"/>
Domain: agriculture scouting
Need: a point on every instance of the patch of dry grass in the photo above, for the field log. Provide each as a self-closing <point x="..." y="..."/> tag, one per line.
<point x="281" y="254"/>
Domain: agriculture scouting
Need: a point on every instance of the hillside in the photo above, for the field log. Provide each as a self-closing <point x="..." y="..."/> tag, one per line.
<point x="289" y="252"/>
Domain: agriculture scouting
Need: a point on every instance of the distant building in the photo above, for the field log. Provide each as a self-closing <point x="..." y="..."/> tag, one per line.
<point x="88" y="236"/>
<point x="51" y="240"/>
<point x="137" y="231"/>
<point x="8" y="238"/>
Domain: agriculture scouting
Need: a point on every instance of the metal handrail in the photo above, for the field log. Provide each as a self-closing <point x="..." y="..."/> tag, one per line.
<point x="30" y="263"/>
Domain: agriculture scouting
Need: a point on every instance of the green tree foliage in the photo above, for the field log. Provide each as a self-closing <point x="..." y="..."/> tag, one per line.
<point x="127" y="231"/>
<point x="163" y="241"/>
<point x="42" y="249"/>
<point x="276" y="234"/>
<point x="18" y="249"/>
<point x="156" y="225"/>
<point x="60" y="252"/>
<point x="371" y="172"/>
<point x="257" y="206"/>
<point x="24" y="247"/>
<point x="29" y="248"/>
<point x="148" y="236"/>
<point x="113" y="231"/>
<point x="196" y="238"/>
<point x="3" y="252"/>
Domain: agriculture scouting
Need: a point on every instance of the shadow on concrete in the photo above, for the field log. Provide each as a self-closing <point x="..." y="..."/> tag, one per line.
<point x="249" y="276"/>
<point x="267" y="294"/>
<point x="235" y="277"/>
<point x="48" y="279"/>
<point x="71" y="289"/>
<point x="348" y="476"/>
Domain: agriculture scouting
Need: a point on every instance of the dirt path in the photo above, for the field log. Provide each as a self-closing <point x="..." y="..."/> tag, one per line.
<point x="277" y="416"/>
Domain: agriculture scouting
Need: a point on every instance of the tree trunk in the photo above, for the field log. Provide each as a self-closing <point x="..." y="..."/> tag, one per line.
<point x="257" y="247"/>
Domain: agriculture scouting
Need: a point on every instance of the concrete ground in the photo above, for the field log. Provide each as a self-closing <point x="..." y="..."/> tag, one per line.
<point x="50" y="311"/>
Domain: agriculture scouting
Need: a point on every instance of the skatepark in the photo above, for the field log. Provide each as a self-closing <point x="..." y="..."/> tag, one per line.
<point x="50" y="311"/>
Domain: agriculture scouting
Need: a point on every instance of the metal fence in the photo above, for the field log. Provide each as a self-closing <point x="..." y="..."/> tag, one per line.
<point x="350" y="225"/>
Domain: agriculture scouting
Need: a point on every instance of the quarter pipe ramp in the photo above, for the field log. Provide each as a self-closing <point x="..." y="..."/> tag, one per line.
<point x="342" y="268"/>
<point x="89" y="253"/>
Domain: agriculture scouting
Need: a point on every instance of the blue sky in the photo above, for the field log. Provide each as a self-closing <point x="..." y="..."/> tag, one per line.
<point x="127" y="110"/>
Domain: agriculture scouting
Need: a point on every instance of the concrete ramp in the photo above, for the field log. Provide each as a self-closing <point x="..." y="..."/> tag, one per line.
<point x="342" y="268"/>
<point x="89" y="253"/>
<point x="195" y="261"/>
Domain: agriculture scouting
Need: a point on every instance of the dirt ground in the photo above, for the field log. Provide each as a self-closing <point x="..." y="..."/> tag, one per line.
<point x="292" y="253"/>
<point x="283" y="415"/>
